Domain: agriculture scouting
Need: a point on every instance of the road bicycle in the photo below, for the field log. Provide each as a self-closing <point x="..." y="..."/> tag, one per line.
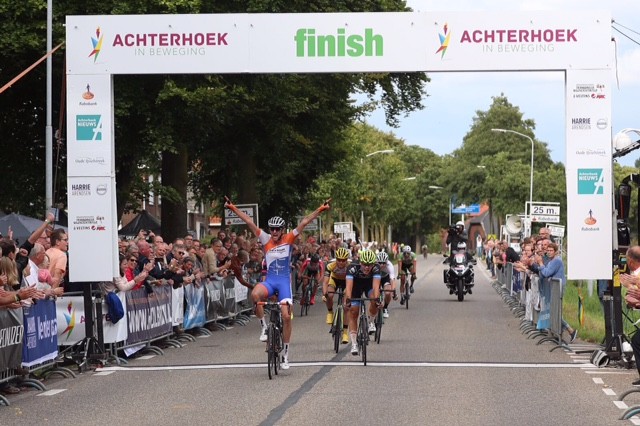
<point x="362" y="335"/>
<point x="338" y="319"/>
<point x="274" y="336"/>
<point x="406" y="294"/>
<point x="305" y="300"/>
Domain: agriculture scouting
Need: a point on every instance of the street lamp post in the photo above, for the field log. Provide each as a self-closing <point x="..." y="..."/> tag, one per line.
<point x="531" y="178"/>
<point x="383" y="151"/>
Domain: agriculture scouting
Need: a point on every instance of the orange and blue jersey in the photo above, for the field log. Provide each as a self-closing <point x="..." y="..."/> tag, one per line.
<point x="277" y="257"/>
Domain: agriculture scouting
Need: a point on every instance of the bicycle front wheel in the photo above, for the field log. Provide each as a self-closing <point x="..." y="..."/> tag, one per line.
<point x="271" y="353"/>
<point x="363" y="336"/>
<point x="337" y="329"/>
<point x="378" y="323"/>
<point x="407" y="294"/>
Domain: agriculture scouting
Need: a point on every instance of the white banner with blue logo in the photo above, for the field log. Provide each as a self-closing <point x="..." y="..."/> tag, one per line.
<point x="40" y="333"/>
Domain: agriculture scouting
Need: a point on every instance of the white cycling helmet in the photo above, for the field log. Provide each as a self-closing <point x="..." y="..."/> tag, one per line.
<point x="276" y="222"/>
<point x="462" y="246"/>
<point x="460" y="223"/>
<point x="406" y="249"/>
<point x="382" y="257"/>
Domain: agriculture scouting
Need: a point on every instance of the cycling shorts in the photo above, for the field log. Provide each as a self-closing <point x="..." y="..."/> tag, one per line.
<point x="280" y="284"/>
<point x="337" y="283"/>
<point x="385" y="279"/>
<point x="405" y="269"/>
<point x="369" y="294"/>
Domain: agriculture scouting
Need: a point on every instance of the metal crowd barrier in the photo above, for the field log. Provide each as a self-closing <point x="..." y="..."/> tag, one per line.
<point x="539" y="308"/>
<point x="28" y="346"/>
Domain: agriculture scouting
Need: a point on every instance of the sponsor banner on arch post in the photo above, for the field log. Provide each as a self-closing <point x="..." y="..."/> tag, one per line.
<point x="89" y="124"/>
<point x="589" y="174"/>
<point x="91" y="228"/>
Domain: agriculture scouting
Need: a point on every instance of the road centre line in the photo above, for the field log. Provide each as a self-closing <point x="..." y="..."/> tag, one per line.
<point x="347" y="364"/>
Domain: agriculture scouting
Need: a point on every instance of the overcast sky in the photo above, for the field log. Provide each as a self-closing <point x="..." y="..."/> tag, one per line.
<point x="454" y="98"/>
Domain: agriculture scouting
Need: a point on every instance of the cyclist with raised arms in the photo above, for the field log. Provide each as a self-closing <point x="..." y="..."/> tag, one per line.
<point x="277" y="246"/>
<point x="406" y="264"/>
<point x="362" y="280"/>
<point x="311" y="268"/>
<point x="387" y="281"/>
<point x="335" y="276"/>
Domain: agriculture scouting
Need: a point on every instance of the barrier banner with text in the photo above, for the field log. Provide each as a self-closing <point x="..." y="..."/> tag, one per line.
<point x="229" y="296"/>
<point x="177" y="303"/>
<point x="11" y="333"/>
<point x="148" y="315"/>
<point x="194" y="314"/>
<point x="41" y="333"/>
<point x="215" y="290"/>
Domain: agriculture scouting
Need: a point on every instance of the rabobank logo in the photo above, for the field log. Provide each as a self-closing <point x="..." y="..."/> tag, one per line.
<point x="97" y="45"/>
<point x="445" y="37"/>
<point x="590" y="182"/>
<point x="89" y="127"/>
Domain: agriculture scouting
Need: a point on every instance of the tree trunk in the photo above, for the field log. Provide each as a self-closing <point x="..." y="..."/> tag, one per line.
<point x="175" y="175"/>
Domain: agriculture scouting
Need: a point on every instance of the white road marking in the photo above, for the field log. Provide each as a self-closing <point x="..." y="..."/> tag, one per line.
<point x="621" y="404"/>
<point x="146" y="357"/>
<point x="609" y="391"/>
<point x="342" y="364"/>
<point x="104" y="373"/>
<point x="598" y="381"/>
<point x="600" y="371"/>
<point x="635" y="420"/>
<point x="51" y="392"/>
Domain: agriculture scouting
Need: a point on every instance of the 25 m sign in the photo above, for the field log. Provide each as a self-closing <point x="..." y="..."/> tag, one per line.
<point x="545" y="213"/>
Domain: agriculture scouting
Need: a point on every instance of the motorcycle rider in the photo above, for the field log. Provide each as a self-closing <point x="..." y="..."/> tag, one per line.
<point x="461" y="248"/>
<point x="455" y="235"/>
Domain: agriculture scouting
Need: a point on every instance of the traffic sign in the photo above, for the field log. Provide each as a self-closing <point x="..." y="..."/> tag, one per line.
<point x="251" y="210"/>
<point x="342" y="227"/>
<point x="463" y="209"/>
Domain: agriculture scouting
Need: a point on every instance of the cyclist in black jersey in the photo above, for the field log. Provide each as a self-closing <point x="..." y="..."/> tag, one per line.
<point x="363" y="280"/>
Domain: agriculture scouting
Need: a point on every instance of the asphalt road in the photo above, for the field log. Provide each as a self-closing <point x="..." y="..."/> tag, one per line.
<point x="441" y="362"/>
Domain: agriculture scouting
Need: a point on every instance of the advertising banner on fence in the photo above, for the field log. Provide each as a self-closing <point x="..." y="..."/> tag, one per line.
<point x="11" y="334"/>
<point x="214" y="299"/>
<point x="194" y="314"/>
<point x="148" y="315"/>
<point x="115" y="332"/>
<point x="70" y="315"/>
<point x="229" y="296"/>
<point x="40" y="333"/>
<point x="241" y="291"/>
<point x="177" y="303"/>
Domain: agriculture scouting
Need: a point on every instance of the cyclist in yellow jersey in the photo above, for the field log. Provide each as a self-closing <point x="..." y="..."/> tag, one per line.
<point x="335" y="276"/>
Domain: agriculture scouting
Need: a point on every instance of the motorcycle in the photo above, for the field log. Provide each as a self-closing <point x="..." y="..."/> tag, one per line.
<point x="459" y="276"/>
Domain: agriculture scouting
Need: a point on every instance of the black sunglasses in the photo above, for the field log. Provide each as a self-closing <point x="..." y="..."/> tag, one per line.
<point x="275" y="229"/>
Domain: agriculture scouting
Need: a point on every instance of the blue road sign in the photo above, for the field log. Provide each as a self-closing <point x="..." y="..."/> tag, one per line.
<point x="462" y="209"/>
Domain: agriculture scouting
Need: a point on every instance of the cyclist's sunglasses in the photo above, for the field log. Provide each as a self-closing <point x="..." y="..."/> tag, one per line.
<point x="274" y="229"/>
<point x="368" y="265"/>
